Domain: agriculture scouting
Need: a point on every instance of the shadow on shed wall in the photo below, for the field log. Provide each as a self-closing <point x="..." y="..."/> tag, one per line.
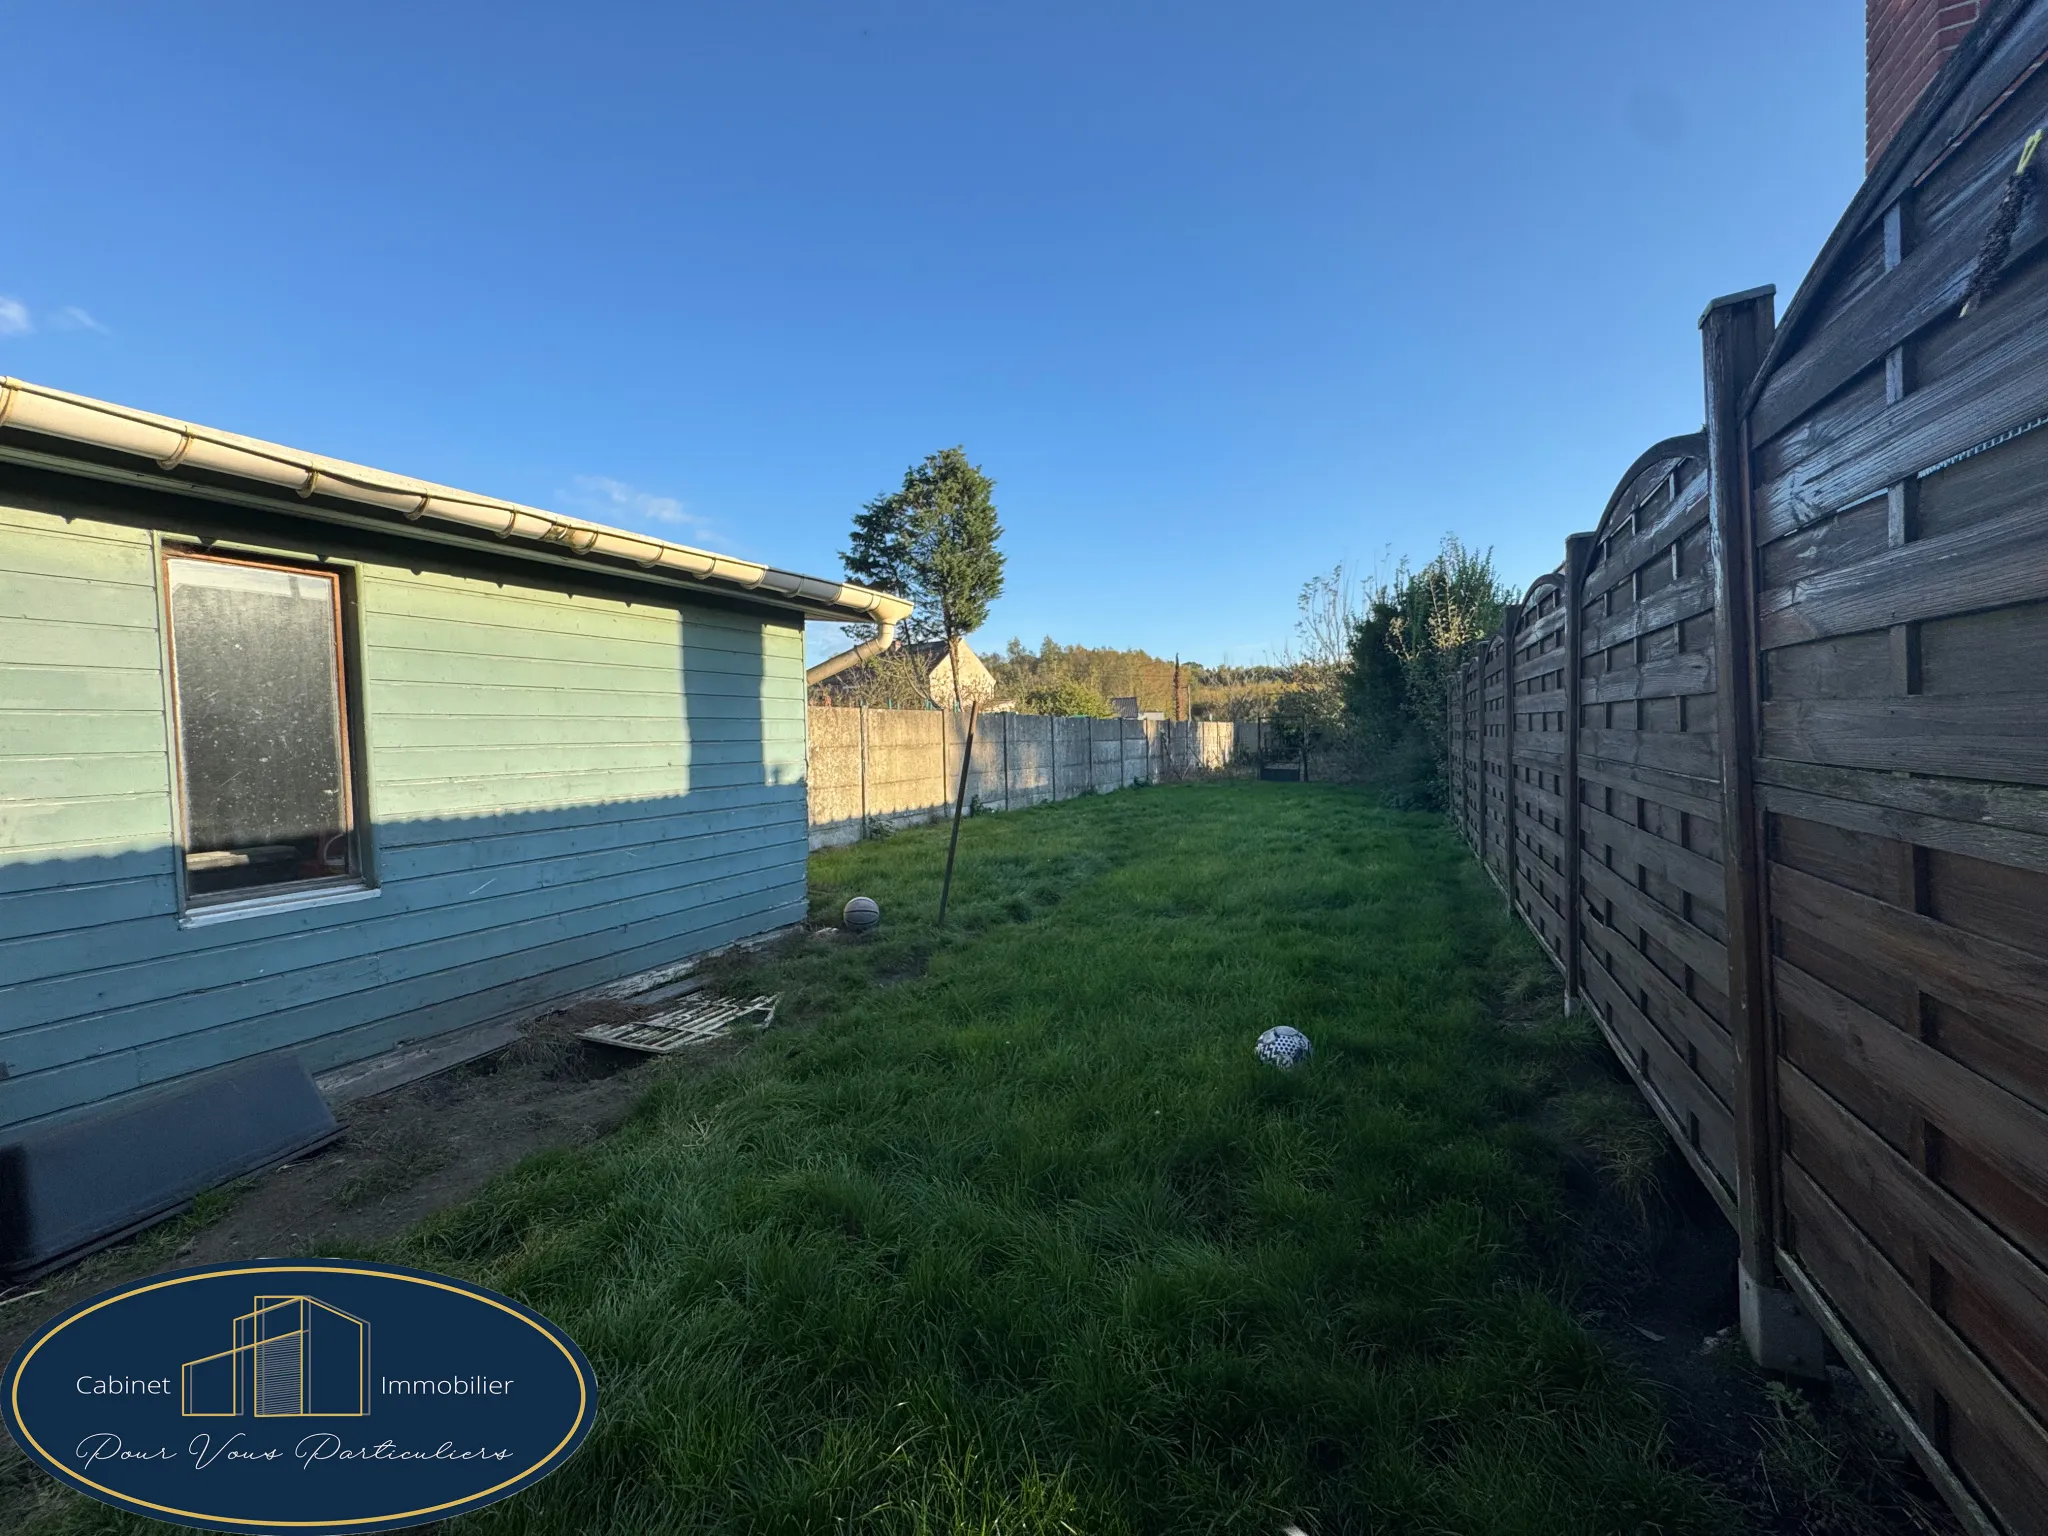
<point x="475" y="917"/>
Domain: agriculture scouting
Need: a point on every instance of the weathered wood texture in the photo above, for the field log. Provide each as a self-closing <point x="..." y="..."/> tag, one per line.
<point x="1653" y="957"/>
<point x="1541" y="705"/>
<point x="1470" y="768"/>
<point x="1495" y="805"/>
<point x="1457" y="790"/>
<point x="1886" y="474"/>
<point x="1735" y="335"/>
<point x="1899" y="508"/>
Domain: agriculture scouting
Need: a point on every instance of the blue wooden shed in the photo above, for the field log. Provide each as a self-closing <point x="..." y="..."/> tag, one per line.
<point x="301" y="756"/>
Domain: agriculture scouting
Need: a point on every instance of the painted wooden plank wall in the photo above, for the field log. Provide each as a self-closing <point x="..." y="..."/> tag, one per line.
<point x="562" y="789"/>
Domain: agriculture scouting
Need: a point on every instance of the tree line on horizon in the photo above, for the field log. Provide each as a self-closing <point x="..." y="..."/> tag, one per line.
<point x="1370" y="671"/>
<point x="935" y="539"/>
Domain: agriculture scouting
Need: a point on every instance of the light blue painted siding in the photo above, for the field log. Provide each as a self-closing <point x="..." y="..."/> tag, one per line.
<point x="562" y="790"/>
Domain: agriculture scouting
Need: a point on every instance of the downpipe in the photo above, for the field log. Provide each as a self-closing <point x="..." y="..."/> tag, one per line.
<point x="832" y="666"/>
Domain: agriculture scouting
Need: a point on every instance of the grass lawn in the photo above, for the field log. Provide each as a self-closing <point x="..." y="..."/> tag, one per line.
<point x="1008" y="1230"/>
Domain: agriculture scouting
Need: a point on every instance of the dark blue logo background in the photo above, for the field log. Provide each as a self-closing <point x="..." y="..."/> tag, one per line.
<point x="319" y="1394"/>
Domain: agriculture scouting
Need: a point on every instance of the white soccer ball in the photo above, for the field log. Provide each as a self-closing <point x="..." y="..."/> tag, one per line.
<point x="861" y="914"/>
<point x="1283" y="1046"/>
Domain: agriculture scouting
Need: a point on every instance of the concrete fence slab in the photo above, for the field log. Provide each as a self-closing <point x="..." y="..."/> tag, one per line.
<point x="897" y="767"/>
<point x="1028" y="759"/>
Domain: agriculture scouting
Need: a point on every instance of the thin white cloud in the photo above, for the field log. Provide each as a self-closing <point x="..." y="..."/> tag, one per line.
<point x="14" y="319"/>
<point x="72" y="318"/>
<point x="613" y="501"/>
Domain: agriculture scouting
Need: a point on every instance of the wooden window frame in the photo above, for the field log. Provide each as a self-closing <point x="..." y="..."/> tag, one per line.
<point x="296" y="893"/>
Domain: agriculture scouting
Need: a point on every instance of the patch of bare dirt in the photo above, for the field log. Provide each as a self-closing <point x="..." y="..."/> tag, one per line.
<point x="402" y="1155"/>
<point x="1798" y="1457"/>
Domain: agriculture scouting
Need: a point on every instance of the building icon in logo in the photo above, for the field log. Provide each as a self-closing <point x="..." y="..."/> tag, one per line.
<point x="293" y="1357"/>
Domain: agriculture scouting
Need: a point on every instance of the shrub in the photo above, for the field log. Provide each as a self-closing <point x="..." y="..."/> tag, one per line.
<point x="1406" y="653"/>
<point x="1067" y="697"/>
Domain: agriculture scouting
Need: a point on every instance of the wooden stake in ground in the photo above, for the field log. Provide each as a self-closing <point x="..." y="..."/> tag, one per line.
<point x="959" y="803"/>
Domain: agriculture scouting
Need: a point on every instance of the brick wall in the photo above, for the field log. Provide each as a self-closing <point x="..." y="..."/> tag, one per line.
<point x="1905" y="44"/>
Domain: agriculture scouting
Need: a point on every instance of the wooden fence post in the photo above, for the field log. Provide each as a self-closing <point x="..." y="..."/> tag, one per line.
<point x="1735" y="335"/>
<point x="1578" y="549"/>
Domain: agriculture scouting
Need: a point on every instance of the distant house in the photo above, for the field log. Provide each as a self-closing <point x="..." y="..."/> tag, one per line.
<point x="1124" y="706"/>
<point x="304" y="756"/>
<point x="921" y="666"/>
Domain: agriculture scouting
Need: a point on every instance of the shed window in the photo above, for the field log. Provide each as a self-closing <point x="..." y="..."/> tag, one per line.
<point x="256" y="655"/>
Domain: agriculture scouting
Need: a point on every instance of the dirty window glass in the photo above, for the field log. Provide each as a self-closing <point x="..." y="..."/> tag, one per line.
<point x="260" y="725"/>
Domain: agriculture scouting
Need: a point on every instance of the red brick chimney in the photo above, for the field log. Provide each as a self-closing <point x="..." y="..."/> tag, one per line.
<point x="1905" y="42"/>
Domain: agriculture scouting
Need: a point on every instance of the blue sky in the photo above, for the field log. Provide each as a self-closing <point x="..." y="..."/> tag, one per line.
<point x="1219" y="294"/>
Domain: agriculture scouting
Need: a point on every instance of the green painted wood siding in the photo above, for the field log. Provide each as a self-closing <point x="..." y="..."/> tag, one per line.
<point x="562" y="789"/>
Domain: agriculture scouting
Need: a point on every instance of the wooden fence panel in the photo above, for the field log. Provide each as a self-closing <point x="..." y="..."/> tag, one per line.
<point x="1653" y="960"/>
<point x="1496" y="805"/>
<point x="1454" y="738"/>
<point x="1898" y="517"/>
<point x="1540" y="707"/>
<point x="1473" y="720"/>
<point x="1793" y="774"/>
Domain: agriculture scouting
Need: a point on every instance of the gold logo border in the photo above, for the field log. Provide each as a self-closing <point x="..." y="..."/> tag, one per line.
<point x="456" y="1288"/>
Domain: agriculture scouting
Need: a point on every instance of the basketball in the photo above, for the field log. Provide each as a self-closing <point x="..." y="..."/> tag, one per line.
<point x="861" y="914"/>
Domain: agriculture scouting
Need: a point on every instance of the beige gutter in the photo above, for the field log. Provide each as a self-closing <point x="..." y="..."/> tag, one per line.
<point x="179" y="445"/>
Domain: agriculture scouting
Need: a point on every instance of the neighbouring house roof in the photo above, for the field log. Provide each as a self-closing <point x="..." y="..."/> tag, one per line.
<point x="935" y="677"/>
<point x="976" y="681"/>
<point x="55" y="429"/>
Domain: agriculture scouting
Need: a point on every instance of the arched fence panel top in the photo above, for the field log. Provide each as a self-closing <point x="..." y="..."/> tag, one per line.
<point x="1652" y="961"/>
<point x="1641" y="477"/>
<point x="1667" y="485"/>
<point x="1540" y="612"/>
